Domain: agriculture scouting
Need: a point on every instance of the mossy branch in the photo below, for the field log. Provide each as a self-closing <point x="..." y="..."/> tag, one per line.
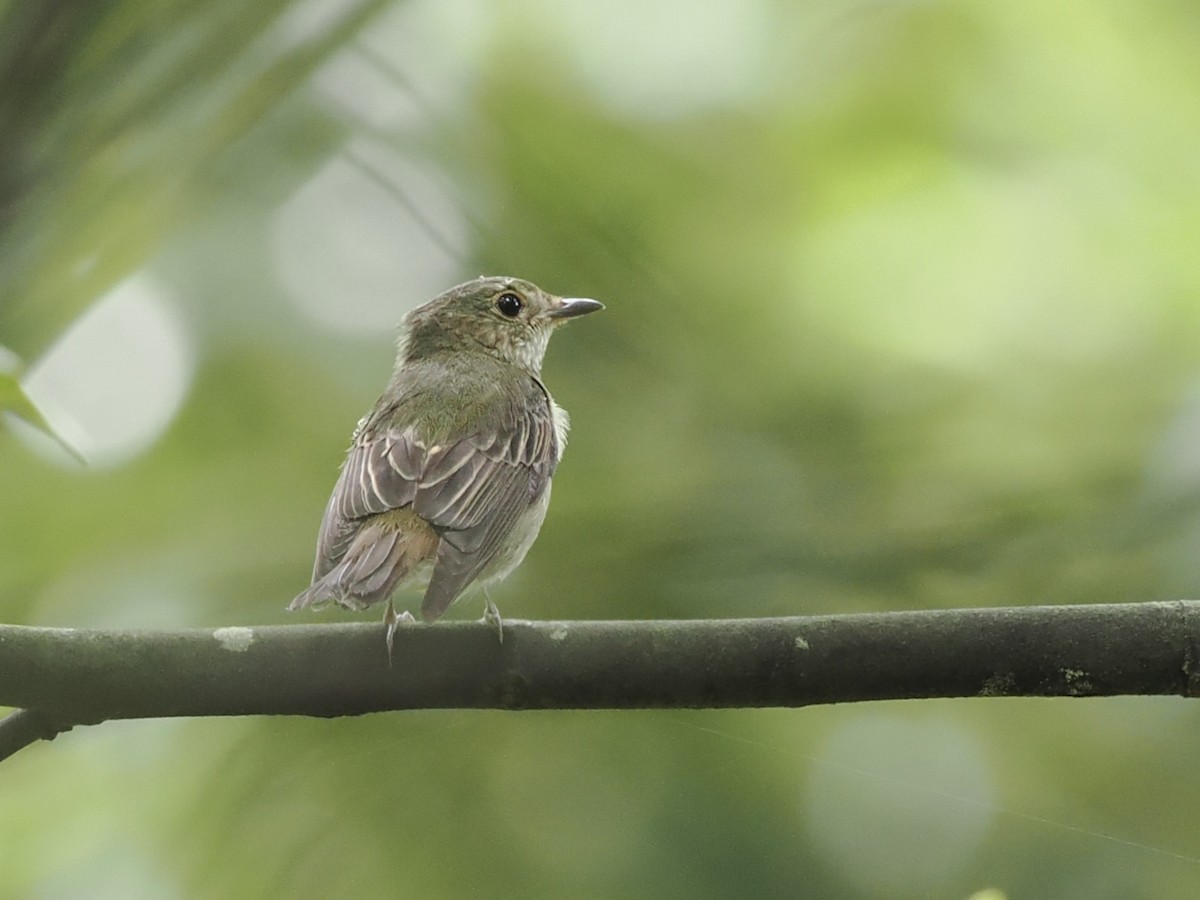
<point x="64" y="677"/>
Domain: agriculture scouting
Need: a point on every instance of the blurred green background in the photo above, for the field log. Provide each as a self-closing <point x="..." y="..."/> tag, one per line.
<point x="903" y="312"/>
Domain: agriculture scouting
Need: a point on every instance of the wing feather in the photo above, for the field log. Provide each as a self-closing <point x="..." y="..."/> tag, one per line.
<point x="471" y="488"/>
<point x="405" y="453"/>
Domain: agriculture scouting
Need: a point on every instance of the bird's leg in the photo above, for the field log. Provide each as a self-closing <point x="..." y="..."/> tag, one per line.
<point x="491" y="616"/>
<point x="390" y="621"/>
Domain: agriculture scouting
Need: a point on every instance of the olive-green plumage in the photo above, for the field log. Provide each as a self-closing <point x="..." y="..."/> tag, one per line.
<point x="448" y="477"/>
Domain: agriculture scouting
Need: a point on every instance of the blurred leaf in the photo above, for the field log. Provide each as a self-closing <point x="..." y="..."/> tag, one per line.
<point x="138" y="106"/>
<point x="13" y="399"/>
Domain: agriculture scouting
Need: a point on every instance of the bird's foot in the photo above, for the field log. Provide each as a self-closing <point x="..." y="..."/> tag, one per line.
<point x="491" y="616"/>
<point x="390" y="621"/>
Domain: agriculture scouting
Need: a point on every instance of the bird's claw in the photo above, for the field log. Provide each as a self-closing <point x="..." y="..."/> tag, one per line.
<point x="390" y="621"/>
<point x="491" y="616"/>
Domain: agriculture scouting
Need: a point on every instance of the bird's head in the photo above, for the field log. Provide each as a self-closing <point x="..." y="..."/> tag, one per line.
<point x="508" y="318"/>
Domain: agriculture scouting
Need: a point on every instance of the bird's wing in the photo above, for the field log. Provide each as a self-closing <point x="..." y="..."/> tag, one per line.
<point x="472" y="489"/>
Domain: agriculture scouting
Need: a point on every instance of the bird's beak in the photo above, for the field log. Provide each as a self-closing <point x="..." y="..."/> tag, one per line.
<point x="570" y="307"/>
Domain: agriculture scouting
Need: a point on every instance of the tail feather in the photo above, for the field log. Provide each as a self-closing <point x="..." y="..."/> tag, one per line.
<point x="375" y="568"/>
<point x="378" y="559"/>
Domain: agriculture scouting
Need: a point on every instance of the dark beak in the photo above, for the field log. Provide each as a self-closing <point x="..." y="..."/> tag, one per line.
<point x="574" y="306"/>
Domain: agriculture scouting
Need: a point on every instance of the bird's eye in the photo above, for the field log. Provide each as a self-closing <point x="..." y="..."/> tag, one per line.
<point x="509" y="304"/>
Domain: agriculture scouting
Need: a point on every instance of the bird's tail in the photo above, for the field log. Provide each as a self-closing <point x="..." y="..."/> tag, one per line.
<point x="379" y="558"/>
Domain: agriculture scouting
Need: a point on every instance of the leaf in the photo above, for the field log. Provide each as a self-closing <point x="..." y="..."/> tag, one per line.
<point x="13" y="399"/>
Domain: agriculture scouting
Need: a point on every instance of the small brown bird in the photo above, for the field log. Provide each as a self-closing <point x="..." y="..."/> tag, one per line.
<point x="448" y="477"/>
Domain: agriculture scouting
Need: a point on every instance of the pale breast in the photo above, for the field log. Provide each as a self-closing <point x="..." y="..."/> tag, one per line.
<point x="525" y="530"/>
<point x="562" y="424"/>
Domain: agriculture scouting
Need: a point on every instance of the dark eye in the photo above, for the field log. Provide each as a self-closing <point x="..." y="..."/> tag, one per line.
<point x="509" y="305"/>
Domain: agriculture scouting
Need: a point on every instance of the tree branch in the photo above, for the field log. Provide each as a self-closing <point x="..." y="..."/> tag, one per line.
<point x="84" y="677"/>
<point x="22" y="727"/>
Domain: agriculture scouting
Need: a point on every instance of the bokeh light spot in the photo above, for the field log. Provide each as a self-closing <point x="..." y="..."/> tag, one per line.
<point x="367" y="238"/>
<point x="637" y="59"/>
<point x="902" y="806"/>
<point x="114" y="381"/>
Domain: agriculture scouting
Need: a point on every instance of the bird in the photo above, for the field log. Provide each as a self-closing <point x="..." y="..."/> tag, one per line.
<point x="447" y="479"/>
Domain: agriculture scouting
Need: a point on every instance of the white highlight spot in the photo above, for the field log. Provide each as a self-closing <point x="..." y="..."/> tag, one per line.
<point x="114" y="381"/>
<point x="801" y="643"/>
<point x="559" y="632"/>
<point x="237" y="640"/>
